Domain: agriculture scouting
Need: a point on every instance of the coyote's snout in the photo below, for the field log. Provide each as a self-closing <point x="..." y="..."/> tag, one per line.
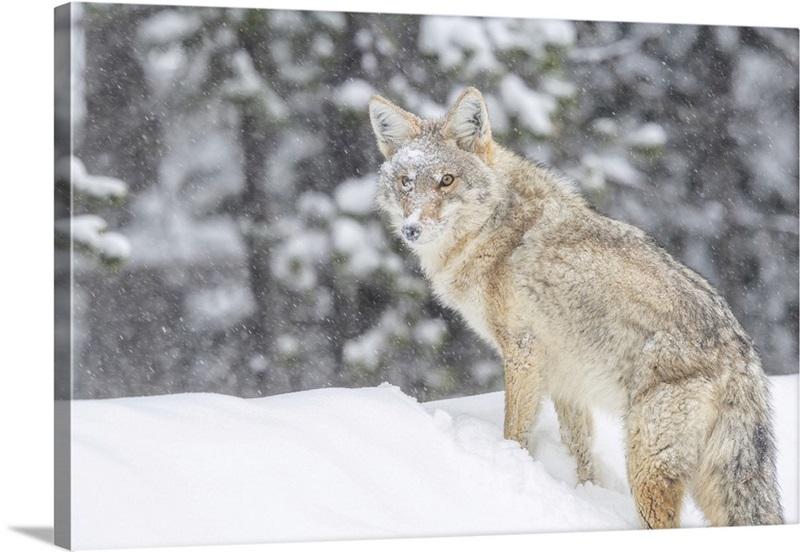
<point x="411" y="230"/>
<point x="587" y="310"/>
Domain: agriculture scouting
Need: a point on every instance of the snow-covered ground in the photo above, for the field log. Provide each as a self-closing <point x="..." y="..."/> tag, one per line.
<point x="196" y="469"/>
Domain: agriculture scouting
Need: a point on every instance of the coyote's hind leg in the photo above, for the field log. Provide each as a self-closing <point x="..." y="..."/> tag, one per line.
<point x="666" y="428"/>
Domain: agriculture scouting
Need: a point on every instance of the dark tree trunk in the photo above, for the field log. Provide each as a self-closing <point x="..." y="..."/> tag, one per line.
<point x="255" y="144"/>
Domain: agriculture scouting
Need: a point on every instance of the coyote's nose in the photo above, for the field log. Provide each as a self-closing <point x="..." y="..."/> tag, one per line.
<point x="411" y="231"/>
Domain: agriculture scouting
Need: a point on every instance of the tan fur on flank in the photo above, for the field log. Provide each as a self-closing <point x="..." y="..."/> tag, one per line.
<point x="586" y="310"/>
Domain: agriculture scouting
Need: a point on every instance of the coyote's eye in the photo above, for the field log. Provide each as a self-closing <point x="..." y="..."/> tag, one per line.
<point x="407" y="184"/>
<point x="446" y="180"/>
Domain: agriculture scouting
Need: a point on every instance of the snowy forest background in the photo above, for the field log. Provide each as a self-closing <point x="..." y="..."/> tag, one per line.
<point x="223" y="170"/>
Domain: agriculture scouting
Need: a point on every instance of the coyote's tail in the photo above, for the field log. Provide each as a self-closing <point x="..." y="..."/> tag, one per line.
<point x="736" y="483"/>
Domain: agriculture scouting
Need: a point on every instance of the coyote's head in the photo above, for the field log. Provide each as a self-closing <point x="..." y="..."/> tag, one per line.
<point x="437" y="180"/>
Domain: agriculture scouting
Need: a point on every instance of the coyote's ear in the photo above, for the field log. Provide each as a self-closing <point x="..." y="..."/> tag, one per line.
<point x="467" y="123"/>
<point x="393" y="127"/>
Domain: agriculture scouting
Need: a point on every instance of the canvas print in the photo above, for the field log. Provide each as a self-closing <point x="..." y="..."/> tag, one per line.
<point x="329" y="275"/>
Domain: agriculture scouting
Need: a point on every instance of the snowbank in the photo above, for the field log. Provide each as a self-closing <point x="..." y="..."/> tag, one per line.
<point x="344" y="464"/>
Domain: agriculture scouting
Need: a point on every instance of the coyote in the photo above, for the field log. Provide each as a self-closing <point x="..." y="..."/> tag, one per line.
<point x="586" y="310"/>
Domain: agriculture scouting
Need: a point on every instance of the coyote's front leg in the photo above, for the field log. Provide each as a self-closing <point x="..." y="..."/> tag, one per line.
<point x="576" y="427"/>
<point x="524" y="391"/>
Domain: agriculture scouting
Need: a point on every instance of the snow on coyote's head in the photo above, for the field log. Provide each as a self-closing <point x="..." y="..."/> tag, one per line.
<point x="437" y="181"/>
